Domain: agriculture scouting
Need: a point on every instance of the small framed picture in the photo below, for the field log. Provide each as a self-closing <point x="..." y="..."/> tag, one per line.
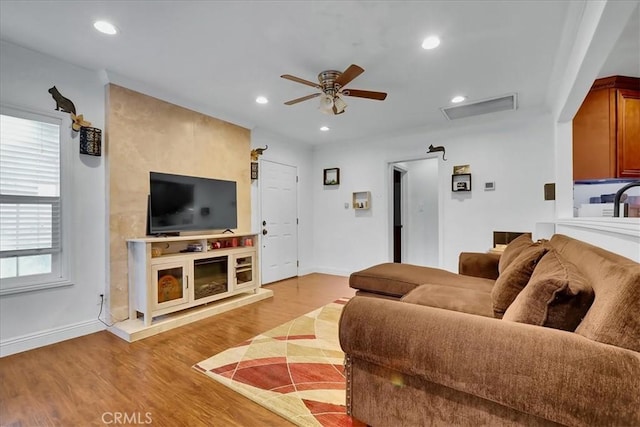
<point x="461" y="169"/>
<point x="332" y="176"/>
<point x="461" y="182"/>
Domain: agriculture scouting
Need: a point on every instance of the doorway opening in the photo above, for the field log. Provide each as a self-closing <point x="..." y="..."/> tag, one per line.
<point x="414" y="212"/>
<point x="398" y="211"/>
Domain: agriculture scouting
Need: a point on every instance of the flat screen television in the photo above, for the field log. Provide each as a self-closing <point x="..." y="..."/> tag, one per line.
<point x="188" y="203"/>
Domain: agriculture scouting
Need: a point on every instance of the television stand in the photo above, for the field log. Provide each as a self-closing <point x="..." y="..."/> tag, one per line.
<point x="166" y="276"/>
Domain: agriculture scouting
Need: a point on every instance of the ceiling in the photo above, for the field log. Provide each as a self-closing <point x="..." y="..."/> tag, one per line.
<point x="218" y="56"/>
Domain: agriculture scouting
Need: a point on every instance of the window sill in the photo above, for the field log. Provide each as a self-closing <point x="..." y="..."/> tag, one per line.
<point x="19" y="289"/>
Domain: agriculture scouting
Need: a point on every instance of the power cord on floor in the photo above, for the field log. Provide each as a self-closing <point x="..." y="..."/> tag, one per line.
<point x="100" y="314"/>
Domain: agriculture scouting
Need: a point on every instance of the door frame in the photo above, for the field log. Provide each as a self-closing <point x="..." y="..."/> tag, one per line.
<point x="258" y="218"/>
<point x="391" y="165"/>
<point x="403" y="208"/>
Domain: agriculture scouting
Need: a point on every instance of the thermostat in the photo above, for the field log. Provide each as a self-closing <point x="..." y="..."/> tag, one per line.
<point x="489" y="186"/>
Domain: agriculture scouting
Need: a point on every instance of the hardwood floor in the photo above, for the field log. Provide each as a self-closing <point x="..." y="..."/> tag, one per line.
<point x="100" y="379"/>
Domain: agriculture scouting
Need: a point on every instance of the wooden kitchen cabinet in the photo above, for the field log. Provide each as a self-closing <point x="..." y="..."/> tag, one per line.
<point x="606" y="130"/>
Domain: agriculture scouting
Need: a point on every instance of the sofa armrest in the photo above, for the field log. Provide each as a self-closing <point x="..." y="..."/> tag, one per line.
<point x="479" y="264"/>
<point x="553" y="374"/>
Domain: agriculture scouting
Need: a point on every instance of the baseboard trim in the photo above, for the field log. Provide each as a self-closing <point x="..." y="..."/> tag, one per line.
<point x="305" y="271"/>
<point x="132" y="330"/>
<point x="333" y="271"/>
<point x="50" y="336"/>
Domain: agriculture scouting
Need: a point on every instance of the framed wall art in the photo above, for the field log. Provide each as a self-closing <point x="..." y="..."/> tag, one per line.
<point x="332" y="176"/>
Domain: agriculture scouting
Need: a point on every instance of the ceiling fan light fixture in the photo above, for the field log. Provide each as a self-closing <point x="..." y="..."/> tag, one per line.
<point x="326" y="104"/>
<point x="331" y="85"/>
<point x="339" y="105"/>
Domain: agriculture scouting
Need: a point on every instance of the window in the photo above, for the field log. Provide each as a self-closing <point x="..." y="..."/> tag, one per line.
<point x="32" y="250"/>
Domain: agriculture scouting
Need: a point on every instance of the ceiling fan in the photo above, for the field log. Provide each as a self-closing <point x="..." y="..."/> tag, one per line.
<point x="332" y="86"/>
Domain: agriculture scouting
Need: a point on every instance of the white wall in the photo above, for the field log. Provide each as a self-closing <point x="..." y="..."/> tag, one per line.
<point x="32" y="319"/>
<point x="421" y="230"/>
<point x="516" y="151"/>
<point x="299" y="155"/>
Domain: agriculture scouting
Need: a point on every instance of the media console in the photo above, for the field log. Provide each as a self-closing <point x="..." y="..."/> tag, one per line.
<point x="168" y="274"/>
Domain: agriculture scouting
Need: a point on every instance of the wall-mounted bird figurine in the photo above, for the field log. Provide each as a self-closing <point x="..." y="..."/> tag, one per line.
<point x="437" y="149"/>
<point x="62" y="103"/>
<point x="258" y="152"/>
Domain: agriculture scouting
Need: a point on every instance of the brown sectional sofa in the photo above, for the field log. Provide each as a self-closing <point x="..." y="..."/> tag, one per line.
<point x="549" y="336"/>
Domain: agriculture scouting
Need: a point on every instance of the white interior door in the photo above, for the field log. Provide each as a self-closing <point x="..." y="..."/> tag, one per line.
<point x="279" y="222"/>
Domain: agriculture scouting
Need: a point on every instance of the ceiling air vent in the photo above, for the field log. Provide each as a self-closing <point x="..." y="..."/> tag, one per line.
<point x="493" y="105"/>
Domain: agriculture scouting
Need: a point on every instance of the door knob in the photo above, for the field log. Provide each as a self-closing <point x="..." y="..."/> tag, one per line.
<point x="264" y="223"/>
<point x="264" y="231"/>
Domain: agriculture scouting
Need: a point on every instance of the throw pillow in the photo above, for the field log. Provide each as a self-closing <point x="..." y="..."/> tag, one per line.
<point x="513" y="249"/>
<point x="557" y="296"/>
<point x="514" y="278"/>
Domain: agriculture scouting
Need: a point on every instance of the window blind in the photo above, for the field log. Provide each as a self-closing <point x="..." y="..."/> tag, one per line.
<point x="29" y="187"/>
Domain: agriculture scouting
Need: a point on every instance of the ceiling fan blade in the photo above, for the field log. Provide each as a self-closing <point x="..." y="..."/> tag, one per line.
<point x="379" y="96"/>
<point x="299" y="80"/>
<point x="304" y="98"/>
<point x="349" y="74"/>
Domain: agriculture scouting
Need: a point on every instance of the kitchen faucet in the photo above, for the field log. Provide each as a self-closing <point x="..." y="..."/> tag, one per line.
<point x="616" y="199"/>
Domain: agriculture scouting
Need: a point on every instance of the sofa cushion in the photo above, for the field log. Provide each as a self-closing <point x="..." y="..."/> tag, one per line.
<point x="614" y="315"/>
<point x="557" y="296"/>
<point x="515" y="277"/>
<point x="513" y="249"/>
<point x="395" y="279"/>
<point x="470" y="301"/>
<point x="479" y="264"/>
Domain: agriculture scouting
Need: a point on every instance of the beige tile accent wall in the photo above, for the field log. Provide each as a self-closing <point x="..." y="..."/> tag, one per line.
<point x="146" y="134"/>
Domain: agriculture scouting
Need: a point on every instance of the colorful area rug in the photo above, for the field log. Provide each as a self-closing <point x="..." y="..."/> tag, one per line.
<point x="295" y="370"/>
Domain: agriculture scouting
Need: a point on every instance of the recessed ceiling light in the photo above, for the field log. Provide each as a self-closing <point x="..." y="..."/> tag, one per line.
<point x="458" y="98"/>
<point x="324" y="128"/>
<point x="431" y="42"/>
<point x="105" y="27"/>
<point x="261" y="100"/>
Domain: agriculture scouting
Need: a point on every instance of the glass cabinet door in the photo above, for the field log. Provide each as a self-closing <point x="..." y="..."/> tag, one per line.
<point x="170" y="283"/>
<point x="244" y="266"/>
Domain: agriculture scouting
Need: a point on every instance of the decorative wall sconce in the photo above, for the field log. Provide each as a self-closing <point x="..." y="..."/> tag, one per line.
<point x="90" y="141"/>
<point x="90" y="138"/>
<point x="255" y="153"/>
